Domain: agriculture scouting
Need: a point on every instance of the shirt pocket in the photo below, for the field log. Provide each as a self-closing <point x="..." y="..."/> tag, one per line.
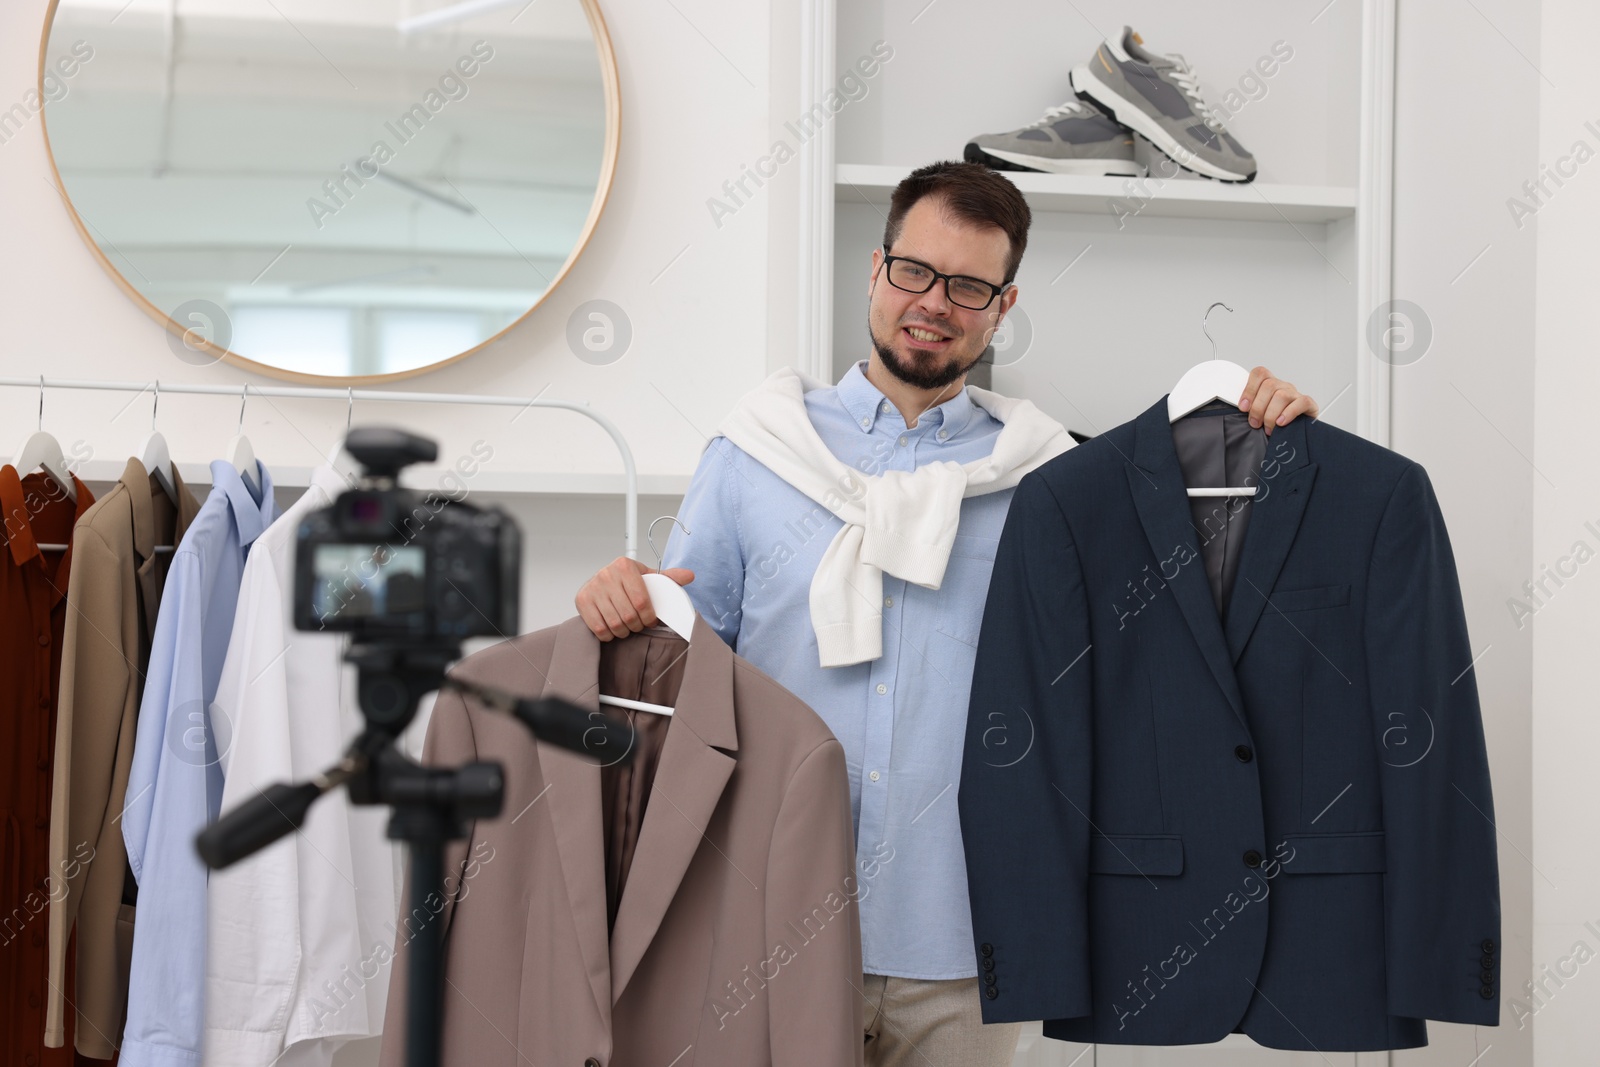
<point x="974" y="547"/>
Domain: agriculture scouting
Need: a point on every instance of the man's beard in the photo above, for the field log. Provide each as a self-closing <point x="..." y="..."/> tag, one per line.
<point x="913" y="374"/>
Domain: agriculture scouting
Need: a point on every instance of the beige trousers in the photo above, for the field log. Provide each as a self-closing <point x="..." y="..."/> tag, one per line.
<point x="911" y="1022"/>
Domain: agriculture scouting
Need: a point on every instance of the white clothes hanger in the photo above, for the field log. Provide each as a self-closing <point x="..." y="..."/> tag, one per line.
<point x="1215" y="379"/>
<point x="674" y="610"/>
<point x="153" y="452"/>
<point x="239" y="453"/>
<point x="43" y="451"/>
<point x="342" y="462"/>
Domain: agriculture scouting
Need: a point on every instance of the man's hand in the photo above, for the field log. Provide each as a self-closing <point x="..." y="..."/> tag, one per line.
<point x="614" y="603"/>
<point x="1273" y="401"/>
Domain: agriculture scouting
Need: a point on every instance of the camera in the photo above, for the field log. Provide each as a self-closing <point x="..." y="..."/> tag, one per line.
<point x="393" y="565"/>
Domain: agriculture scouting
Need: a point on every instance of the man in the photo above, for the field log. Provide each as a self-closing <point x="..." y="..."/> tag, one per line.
<point x="753" y="546"/>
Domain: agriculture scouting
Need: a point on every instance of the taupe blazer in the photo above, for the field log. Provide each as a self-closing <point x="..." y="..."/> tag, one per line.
<point x="113" y="592"/>
<point x="737" y="940"/>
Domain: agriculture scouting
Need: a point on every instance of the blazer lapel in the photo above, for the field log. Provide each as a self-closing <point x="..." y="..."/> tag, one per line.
<point x="689" y="781"/>
<point x="573" y="784"/>
<point x="1159" y="493"/>
<point x="1285" y="481"/>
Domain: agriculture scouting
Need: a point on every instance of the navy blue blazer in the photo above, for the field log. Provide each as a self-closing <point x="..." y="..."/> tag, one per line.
<point x="1280" y="823"/>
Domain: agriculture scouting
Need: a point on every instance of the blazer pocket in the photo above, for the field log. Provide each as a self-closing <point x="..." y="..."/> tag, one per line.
<point x="1361" y="853"/>
<point x="1322" y="596"/>
<point x="1137" y="854"/>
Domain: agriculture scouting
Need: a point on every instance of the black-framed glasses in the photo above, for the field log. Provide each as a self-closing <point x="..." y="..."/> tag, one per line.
<point x="914" y="276"/>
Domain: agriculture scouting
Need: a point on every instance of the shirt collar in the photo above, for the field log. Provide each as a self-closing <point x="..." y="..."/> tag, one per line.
<point x="251" y="516"/>
<point x="18" y="520"/>
<point x="865" y="402"/>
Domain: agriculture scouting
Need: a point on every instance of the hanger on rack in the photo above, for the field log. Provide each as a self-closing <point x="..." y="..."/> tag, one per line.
<point x="240" y="454"/>
<point x="1215" y="379"/>
<point x="153" y="452"/>
<point x="673" y="609"/>
<point x="342" y="462"/>
<point x="43" y="451"/>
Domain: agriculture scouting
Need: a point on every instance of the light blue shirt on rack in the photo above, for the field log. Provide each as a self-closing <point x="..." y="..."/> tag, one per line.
<point x="754" y="542"/>
<point x="175" y="784"/>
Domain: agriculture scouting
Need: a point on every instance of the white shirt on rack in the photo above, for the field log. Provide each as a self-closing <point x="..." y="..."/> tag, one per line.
<point x="299" y="935"/>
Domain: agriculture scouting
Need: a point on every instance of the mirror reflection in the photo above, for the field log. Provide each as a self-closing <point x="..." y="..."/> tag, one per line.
<point x="368" y="187"/>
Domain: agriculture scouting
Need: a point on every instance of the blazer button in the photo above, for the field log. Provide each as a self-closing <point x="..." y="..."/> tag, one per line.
<point x="1487" y="992"/>
<point x="1485" y="977"/>
<point x="988" y="964"/>
<point x="1488" y="945"/>
<point x="1244" y="753"/>
<point x="1252" y="858"/>
<point x="991" y="993"/>
<point x="1487" y="962"/>
<point x="989" y="979"/>
<point x="986" y="948"/>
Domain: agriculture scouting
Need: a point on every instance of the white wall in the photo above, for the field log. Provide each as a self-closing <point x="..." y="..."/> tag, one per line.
<point x="1566" y="510"/>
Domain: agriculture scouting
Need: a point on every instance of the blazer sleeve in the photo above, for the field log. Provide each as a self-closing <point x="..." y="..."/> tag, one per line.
<point x="1441" y="889"/>
<point x="450" y="742"/>
<point x="815" y="1007"/>
<point x="92" y="750"/>
<point x="1024" y="799"/>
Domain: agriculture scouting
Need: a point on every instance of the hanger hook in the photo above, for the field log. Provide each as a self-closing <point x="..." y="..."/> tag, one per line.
<point x="350" y="407"/>
<point x="1207" y="315"/>
<point x="154" y="404"/>
<point x="649" y="535"/>
<point x="243" y="397"/>
<point x="41" y="403"/>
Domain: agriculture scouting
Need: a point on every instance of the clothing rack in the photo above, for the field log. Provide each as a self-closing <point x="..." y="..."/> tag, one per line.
<point x="351" y="395"/>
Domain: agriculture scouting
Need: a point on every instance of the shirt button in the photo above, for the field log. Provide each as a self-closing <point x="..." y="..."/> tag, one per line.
<point x="943" y="434"/>
<point x="882" y="689"/>
<point x="865" y="423"/>
<point x="902" y="438"/>
<point x="44" y="639"/>
<point x="888" y="601"/>
<point x="884" y="406"/>
<point x="873" y="776"/>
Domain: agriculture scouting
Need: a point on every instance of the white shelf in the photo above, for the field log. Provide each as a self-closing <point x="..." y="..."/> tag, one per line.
<point x="1196" y="198"/>
<point x="549" y="483"/>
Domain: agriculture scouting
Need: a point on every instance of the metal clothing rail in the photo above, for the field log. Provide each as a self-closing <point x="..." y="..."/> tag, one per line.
<point x="350" y="395"/>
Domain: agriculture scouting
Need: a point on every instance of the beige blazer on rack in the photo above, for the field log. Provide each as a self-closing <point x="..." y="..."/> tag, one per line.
<point x="737" y="937"/>
<point x="113" y="593"/>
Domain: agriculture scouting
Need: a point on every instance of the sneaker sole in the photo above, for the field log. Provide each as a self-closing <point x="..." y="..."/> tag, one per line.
<point x="1130" y="115"/>
<point x="999" y="159"/>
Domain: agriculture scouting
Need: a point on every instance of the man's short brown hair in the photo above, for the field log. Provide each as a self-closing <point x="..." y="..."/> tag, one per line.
<point x="972" y="193"/>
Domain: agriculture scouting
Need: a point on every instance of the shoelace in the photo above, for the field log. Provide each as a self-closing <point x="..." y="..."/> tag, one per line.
<point x="1189" y="81"/>
<point x="1071" y="108"/>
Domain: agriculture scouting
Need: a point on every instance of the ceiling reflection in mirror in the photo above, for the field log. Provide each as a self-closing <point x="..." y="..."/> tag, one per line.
<point x="351" y="188"/>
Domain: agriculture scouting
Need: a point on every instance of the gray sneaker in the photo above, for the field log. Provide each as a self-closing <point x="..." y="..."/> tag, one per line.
<point x="1159" y="96"/>
<point x="1071" y="138"/>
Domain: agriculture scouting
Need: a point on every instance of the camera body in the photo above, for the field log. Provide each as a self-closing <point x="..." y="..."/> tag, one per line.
<point x="390" y="565"/>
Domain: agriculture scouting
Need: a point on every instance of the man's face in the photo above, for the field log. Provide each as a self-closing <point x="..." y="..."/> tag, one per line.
<point x="950" y="246"/>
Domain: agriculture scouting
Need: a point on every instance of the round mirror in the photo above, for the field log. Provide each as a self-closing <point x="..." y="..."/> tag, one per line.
<point x="351" y="190"/>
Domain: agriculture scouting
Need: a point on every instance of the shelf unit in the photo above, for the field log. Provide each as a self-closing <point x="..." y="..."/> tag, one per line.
<point x="1317" y="306"/>
<point x="1155" y="197"/>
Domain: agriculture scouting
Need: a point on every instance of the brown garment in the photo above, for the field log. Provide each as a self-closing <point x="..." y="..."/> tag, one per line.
<point x="648" y="667"/>
<point x="737" y="942"/>
<point x="113" y="594"/>
<point x="33" y="611"/>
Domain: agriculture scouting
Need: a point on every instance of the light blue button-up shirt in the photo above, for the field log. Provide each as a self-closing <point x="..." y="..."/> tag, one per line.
<point x="754" y="542"/>
<point x="175" y="784"/>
